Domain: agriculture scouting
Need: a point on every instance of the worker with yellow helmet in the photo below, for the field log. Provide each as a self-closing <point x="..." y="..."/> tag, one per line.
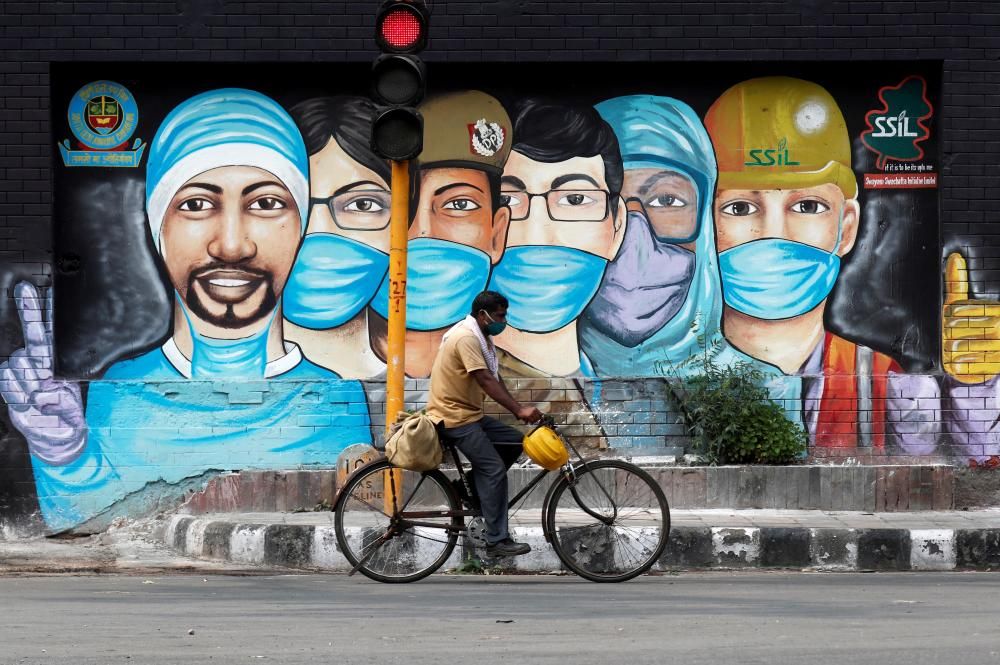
<point x="786" y="211"/>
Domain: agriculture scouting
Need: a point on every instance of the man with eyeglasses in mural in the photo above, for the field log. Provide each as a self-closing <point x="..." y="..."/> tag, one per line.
<point x="562" y="184"/>
<point x="344" y="255"/>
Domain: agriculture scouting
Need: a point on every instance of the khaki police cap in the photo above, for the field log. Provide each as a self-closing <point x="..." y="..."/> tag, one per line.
<point x="780" y="133"/>
<point x="467" y="129"/>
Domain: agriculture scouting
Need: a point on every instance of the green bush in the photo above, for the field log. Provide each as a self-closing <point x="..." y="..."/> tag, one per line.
<point x="730" y="415"/>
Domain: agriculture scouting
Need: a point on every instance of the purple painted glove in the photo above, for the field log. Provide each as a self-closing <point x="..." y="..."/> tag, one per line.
<point x="47" y="411"/>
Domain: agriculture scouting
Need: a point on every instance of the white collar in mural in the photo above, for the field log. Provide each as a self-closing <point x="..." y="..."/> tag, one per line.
<point x="292" y="357"/>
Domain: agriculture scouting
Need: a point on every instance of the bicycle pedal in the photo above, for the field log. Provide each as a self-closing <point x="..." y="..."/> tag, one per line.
<point x="476" y="532"/>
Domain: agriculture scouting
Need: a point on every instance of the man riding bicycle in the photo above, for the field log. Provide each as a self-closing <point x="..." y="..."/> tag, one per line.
<point x="465" y="371"/>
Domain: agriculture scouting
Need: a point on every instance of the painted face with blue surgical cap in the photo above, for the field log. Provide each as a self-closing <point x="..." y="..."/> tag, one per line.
<point x="227" y="192"/>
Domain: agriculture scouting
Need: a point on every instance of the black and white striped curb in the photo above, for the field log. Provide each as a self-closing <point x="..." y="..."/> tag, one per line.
<point x="690" y="547"/>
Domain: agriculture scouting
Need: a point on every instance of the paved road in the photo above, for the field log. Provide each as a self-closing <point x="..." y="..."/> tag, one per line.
<point x="703" y="618"/>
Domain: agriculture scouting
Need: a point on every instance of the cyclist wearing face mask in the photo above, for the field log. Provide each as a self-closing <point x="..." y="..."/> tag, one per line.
<point x="465" y="371"/>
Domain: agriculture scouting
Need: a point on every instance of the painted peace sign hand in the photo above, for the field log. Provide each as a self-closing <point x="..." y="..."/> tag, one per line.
<point x="47" y="411"/>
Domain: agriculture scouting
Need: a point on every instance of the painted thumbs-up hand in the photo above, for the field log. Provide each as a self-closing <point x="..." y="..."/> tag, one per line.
<point x="47" y="411"/>
<point x="970" y="344"/>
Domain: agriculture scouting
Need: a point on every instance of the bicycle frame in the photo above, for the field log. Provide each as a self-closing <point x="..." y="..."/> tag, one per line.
<point x="413" y="518"/>
<point x="391" y="491"/>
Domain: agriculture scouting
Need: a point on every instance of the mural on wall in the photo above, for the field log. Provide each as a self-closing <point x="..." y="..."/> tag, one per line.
<point x="227" y="195"/>
<point x="777" y="220"/>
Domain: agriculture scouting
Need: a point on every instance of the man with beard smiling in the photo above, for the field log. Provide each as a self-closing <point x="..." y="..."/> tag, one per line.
<point x="226" y="200"/>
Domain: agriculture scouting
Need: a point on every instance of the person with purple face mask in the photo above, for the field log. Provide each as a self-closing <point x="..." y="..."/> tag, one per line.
<point x="662" y="292"/>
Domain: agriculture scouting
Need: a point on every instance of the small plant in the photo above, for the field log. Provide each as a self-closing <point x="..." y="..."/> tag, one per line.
<point x="471" y="565"/>
<point x="729" y="413"/>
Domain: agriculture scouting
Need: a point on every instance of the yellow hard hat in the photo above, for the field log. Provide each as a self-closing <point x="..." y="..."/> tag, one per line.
<point x="545" y="448"/>
<point x="780" y="133"/>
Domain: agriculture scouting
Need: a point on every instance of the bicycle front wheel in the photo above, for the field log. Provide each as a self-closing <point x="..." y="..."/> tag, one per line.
<point x="609" y="521"/>
<point x="374" y="515"/>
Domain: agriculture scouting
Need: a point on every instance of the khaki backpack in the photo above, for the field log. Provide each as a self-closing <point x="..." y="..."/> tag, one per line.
<point x="413" y="442"/>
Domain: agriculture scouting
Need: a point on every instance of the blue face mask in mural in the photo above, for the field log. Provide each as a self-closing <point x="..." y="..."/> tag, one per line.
<point x="774" y="278"/>
<point x="213" y="358"/>
<point x="547" y="287"/>
<point x="442" y="280"/>
<point x="333" y="279"/>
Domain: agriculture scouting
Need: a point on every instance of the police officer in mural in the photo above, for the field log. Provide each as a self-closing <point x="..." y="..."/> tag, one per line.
<point x="786" y="213"/>
<point x="458" y="224"/>
<point x="226" y="201"/>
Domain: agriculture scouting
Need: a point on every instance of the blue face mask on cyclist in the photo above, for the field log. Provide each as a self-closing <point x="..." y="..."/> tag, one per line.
<point x="442" y="280"/>
<point x="494" y="327"/>
<point x="775" y="278"/>
<point x="332" y="280"/>
<point x="547" y="286"/>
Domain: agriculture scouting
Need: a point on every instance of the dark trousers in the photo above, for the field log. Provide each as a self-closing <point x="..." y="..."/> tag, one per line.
<point x="491" y="447"/>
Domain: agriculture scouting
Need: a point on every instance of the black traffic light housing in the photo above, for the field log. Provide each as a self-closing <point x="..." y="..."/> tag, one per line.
<point x="399" y="79"/>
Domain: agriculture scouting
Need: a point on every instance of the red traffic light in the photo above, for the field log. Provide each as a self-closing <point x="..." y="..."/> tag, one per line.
<point x="401" y="26"/>
<point x="401" y="29"/>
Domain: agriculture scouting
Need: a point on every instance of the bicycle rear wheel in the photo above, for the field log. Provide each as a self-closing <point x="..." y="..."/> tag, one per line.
<point x="608" y="522"/>
<point x="373" y="526"/>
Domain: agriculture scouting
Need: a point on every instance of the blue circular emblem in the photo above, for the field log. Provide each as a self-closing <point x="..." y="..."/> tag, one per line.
<point x="103" y="115"/>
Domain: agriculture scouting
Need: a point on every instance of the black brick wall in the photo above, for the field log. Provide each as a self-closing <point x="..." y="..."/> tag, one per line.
<point x="964" y="34"/>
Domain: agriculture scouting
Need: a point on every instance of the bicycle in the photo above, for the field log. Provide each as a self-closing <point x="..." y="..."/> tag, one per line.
<point x="607" y="520"/>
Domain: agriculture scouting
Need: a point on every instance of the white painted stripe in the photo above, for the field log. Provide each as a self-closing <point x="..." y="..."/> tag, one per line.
<point x="743" y="550"/>
<point x="194" y="543"/>
<point x="246" y="544"/>
<point x="325" y="553"/>
<point x="932" y="549"/>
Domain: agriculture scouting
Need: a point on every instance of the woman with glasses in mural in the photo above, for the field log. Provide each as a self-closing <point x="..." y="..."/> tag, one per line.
<point x="344" y="256"/>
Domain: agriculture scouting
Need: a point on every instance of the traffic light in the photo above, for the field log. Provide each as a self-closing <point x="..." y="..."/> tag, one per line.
<point x="399" y="79"/>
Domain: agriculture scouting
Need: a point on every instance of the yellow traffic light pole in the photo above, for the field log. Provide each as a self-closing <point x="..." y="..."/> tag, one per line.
<point x="395" y="359"/>
<point x="398" y="231"/>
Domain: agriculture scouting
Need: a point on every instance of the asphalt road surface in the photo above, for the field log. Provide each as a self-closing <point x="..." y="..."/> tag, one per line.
<point x="690" y="618"/>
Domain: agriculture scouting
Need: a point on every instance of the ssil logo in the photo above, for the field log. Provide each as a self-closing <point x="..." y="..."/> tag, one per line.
<point x="780" y="156"/>
<point x="896" y="130"/>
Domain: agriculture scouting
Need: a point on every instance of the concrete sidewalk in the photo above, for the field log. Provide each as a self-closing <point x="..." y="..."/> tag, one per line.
<point x="798" y="539"/>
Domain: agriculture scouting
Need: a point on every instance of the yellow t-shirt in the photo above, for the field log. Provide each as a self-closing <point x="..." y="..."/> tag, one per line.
<point x="455" y="396"/>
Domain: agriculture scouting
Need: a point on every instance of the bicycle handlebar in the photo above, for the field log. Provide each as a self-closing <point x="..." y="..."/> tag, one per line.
<point x="545" y="421"/>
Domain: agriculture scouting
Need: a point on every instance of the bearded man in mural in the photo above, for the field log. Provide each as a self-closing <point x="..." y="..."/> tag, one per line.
<point x="226" y="201"/>
<point x="782" y="229"/>
<point x="562" y="184"/>
<point x="344" y="255"/>
<point x="458" y="224"/>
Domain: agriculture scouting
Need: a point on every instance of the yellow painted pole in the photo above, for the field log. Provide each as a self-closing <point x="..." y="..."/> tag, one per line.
<point x="399" y="227"/>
